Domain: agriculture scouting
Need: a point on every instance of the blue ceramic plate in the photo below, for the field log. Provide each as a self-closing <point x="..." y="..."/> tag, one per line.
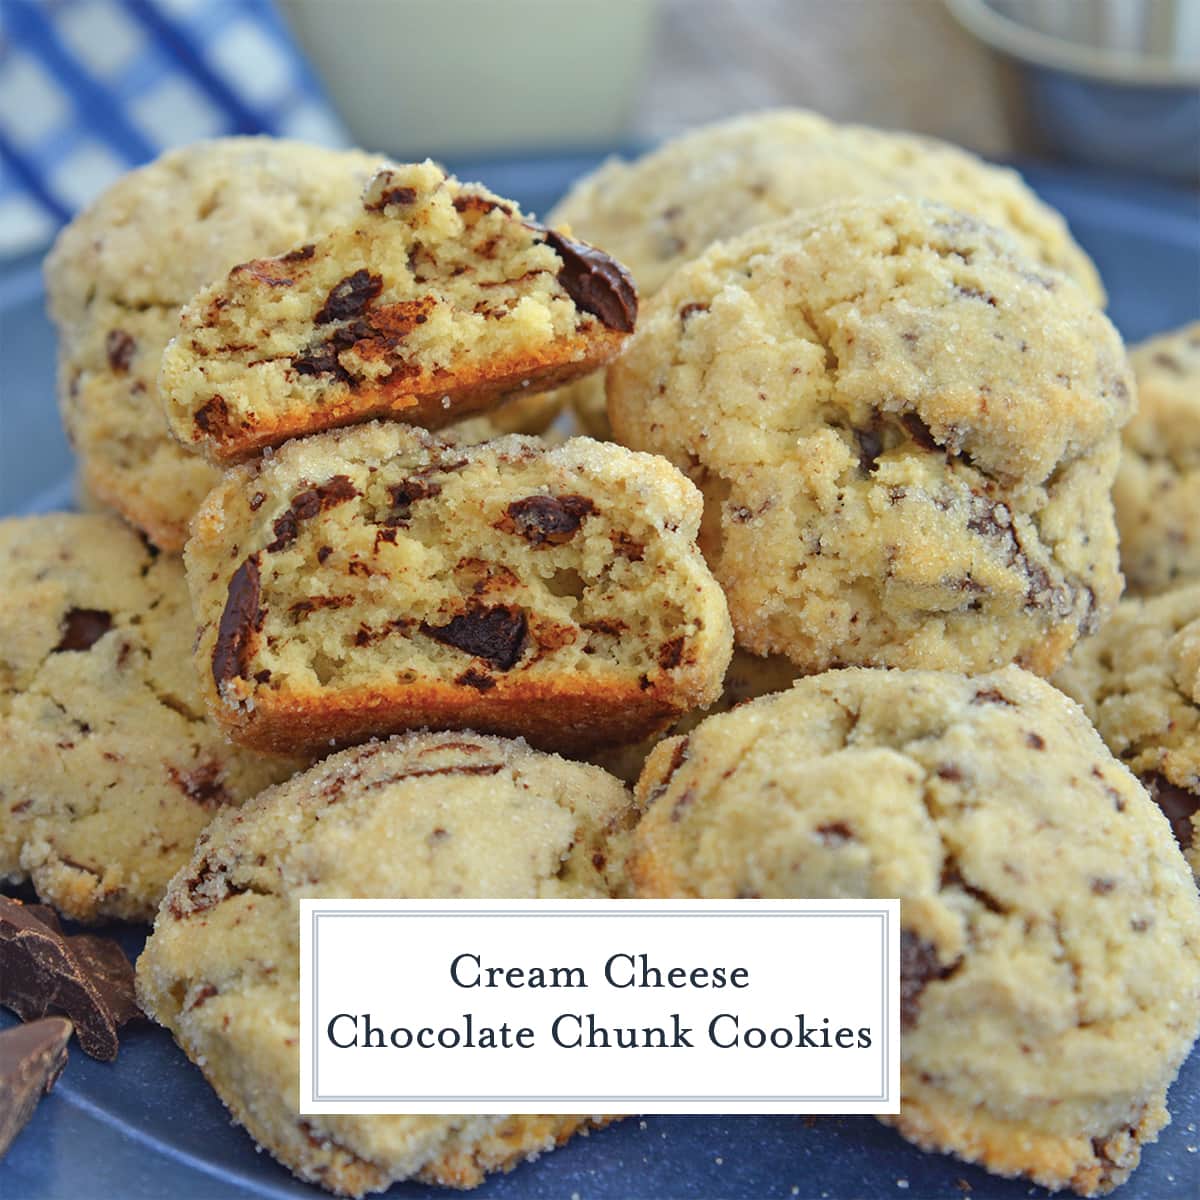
<point x="148" y="1126"/>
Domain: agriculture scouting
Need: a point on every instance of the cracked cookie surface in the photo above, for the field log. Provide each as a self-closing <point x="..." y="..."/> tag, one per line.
<point x="370" y="580"/>
<point x="109" y="767"/>
<point x="1157" y="492"/>
<point x="665" y="208"/>
<point x="1050" y="946"/>
<point x="119" y="274"/>
<point x="422" y="816"/>
<point x="1138" y="680"/>
<point x="438" y="299"/>
<point x="905" y="433"/>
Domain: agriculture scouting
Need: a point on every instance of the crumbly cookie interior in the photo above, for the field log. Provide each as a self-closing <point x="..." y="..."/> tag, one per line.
<point x="461" y="564"/>
<point x="434" y="283"/>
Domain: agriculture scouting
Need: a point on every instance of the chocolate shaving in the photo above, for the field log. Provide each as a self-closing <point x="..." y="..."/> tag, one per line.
<point x="239" y="621"/>
<point x="86" y="978"/>
<point x="597" y="283"/>
<point x="32" y="1057"/>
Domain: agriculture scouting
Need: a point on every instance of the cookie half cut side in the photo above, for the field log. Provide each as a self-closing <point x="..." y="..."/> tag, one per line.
<point x="439" y="299"/>
<point x="371" y="580"/>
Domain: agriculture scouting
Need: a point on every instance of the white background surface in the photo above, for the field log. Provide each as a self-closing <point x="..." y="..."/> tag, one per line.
<point x="391" y="959"/>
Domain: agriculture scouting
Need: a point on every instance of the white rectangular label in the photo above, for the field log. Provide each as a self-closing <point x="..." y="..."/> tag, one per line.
<point x="599" y="1006"/>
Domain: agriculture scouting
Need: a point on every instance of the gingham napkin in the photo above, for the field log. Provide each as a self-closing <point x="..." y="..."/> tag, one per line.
<point x="90" y="88"/>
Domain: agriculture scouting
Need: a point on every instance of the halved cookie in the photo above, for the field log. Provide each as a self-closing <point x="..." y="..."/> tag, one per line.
<point x="430" y="815"/>
<point x="439" y="300"/>
<point x="383" y="578"/>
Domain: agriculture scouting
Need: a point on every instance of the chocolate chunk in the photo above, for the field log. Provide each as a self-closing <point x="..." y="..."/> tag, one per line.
<point x="690" y="310"/>
<point x="239" y="621"/>
<point x="670" y="654"/>
<point x="919" y="431"/>
<point x="919" y="967"/>
<point x="213" y="417"/>
<point x="204" y="784"/>
<point x="120" y="349"/>
<point x="322" y="359"/>
<point x="349" y="297"/>
<point x="405" y="494"/>
<point x="85" y="978"/>
<point x="82" y="628"/>
<point x="546" y="520"/>
<point x="308" y="504"/>
<point x="478" y="680"/>
<point x="496" y="634"/>
<point x="835" y="834"/>
<point x="598" y="284"/>
<point x="991" y="696"/>
<point x="1179" y="805"/>
<point x="300" y="254"/>
<point x="870" y="447"/>
<point x="32" y="1057"/>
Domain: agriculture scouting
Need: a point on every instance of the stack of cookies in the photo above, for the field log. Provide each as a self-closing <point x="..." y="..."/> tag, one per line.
<point x="847" y="505"/>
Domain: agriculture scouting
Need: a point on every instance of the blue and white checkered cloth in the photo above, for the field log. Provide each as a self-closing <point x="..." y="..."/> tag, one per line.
<point x="90" y="88"/>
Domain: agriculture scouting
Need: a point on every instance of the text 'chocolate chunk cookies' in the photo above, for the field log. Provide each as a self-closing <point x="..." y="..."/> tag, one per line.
<point x="1050" y="951"/>
<point x="1139" y="681"/>
<point x="905" y="432"/>
<point x="439" y="299"/>
<point x="109" y="766"/>
<point x="425" y="816"/>
<point x="371" y="580"/>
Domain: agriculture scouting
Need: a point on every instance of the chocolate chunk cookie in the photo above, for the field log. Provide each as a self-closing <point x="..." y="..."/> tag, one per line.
<point x="905" y="432"/>
<point x="382" y="578"/>
<point x="667" y="207"/>
<point x="423" y="816"/>
<point x="109" y="767"/>
<point x="1139" y="681"/>
<point x="119" y="274"/>
<point x="438" y="299"/>
<point x="1050" y="953"/>
<point x="1157" y="493"/>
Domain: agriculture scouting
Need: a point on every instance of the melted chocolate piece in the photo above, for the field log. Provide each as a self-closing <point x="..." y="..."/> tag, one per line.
<point x="919" y="967"/>
<point x="119" y="347"/>
<point x="496" y="634"/>
<point x="670" y="654"/>
<point x="598" y="284"/>
<point x="919" y="431"/>
<point x="349" y="297"/>
<point x="1178" y="803"/>
<point x="32" y="1057"/>
<point x="870" y="447"/>
<point x="204" y="784"/>
<point x="85" y="978"/>
<point x="307" y="505"/>
<point x="238" y="623"/>
<point x="405" y="494"/>
<point x="547" y="520"/>
<point x="213" y="416"/>
<point x="82" y="628"/>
